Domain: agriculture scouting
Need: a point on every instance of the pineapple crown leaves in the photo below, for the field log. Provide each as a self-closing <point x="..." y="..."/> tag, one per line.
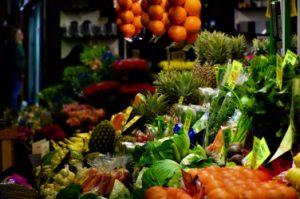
<point x="260" y="46"/>
<point x="155" y="104"/>
<point x="176" y="84"/>
<point x="238" y="46"/>
<point x="212" y="48"/>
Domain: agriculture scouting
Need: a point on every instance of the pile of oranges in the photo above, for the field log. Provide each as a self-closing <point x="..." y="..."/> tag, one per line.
<point x="180" y="19"/>
<point x="129" y="13"/>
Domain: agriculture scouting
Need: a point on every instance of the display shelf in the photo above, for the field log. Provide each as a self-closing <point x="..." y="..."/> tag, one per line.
<point x="7" y="137"/>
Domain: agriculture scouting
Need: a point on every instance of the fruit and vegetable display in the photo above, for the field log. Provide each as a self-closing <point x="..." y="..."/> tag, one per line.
<point x="220" y="126"/>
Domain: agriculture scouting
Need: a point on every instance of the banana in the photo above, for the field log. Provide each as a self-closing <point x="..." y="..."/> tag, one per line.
<point x="61" y="143"/>
<point x="76" y="139"/>
<point x="83" y="135"/>
<point x="55" y="145"/>
<point x="76" y="147"/>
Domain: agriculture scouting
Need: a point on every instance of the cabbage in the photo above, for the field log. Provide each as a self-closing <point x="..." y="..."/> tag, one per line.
<point x="160" y="173"/>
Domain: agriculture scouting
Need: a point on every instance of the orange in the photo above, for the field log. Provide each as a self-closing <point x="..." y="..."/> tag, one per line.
<point x="154" y="2"/>
<point x="118" y="9"/>
<point x="145" y="19"/>
<point x="137" y="31"/>
<point x="125" y="4"/>
<point x="137" y="22"/>
<point x="192" y="7"/>
<point x="128" y="30"/>
<point x="177" y="15"/>
<point x="155" y="12"/>
<point x="176" y="2"/>
<point x="127" y="16"/>
<point x="119" y="22"/>
<point x="163" y="3"/>
<point x="191" y="38"/>
<point x="192" y="24"/>
<point x="156" y="27"/>
<point x="165" y="20"/>
<point x="177" y="33"/>
<point x="133" y="1"/>
<point x="136" y="9"/>
<point x="145" y="5"/>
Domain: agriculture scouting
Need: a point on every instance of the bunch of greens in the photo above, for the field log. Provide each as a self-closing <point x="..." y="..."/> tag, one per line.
<point x="221" y="109"/>
<point x="174" y="148"/>
<point x="197" y="158"/>
<point x="262" y="103"/>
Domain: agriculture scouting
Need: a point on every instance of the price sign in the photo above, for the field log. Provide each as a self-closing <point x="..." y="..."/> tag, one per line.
<point x="188" y="120"/>
<point x="285" y="145"/>
<point x="234" y="73"/>
<point x="251" y="158"/>
<point x="180" y="101"/>
<point x="263" y="153"/>
<point x="279" y="71"/>
<point x="290" y="58"/>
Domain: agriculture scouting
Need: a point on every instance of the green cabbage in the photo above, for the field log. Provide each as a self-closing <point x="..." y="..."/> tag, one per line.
<point x="161" y="173"/>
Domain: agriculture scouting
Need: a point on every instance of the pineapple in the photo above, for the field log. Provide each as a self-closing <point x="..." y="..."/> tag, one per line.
<point x="238" y="47"/>
<point x="211" y="49"/>
<point x="205" y="74"/>
<point x="176" y="84"/>
<point x="153" y="105"/>
<point x="103" y="138"/>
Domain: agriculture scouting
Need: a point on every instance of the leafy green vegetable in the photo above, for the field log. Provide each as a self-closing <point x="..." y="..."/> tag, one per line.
<point x="174" y="148"/>
<point x="160" y="173"/>
<point x="222" y="107"/>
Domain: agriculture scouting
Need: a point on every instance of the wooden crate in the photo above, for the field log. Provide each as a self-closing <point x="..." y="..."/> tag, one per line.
<point x="7" y="137"/>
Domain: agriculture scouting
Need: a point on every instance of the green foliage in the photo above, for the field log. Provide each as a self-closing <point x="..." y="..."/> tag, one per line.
<point x="77" y="77"/>
<point x="175" y="84"/>
<point x="154" y="105"/>
<point x="92" y="52"/>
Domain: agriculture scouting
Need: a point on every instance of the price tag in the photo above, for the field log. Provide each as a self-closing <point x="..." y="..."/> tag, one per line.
<point x="234" y="73"/>
<point x="285" y="145"/>
<point x="227" y="73"/>
<point x="262" y="153"/>
<point x="180" y="101"/>
<point x="251" y="158"/>
<point x="290" y="58"/>
<point x="279" y="71"/>
<point x="178" y="55"/>
<point x="188" y="120"/>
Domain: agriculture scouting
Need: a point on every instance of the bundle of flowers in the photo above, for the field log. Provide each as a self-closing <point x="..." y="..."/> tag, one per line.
<point x="51" y="132"/>
<point x="82" y="115"/>
<point x="133" y="89"/>
<point x="101" y="87"/>
<point x="130" y="65"/>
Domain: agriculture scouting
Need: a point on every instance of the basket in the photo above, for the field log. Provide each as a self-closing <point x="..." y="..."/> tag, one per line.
<point x="15" y="191"/>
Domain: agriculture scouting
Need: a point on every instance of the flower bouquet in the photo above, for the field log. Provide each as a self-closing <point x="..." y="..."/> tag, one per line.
<point x="131" y="70"/>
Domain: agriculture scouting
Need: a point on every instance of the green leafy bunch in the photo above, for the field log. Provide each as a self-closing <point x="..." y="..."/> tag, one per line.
<point x="263" y="102"/>
<point x="91" y="53"/>
<point x="78" y="77"/>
